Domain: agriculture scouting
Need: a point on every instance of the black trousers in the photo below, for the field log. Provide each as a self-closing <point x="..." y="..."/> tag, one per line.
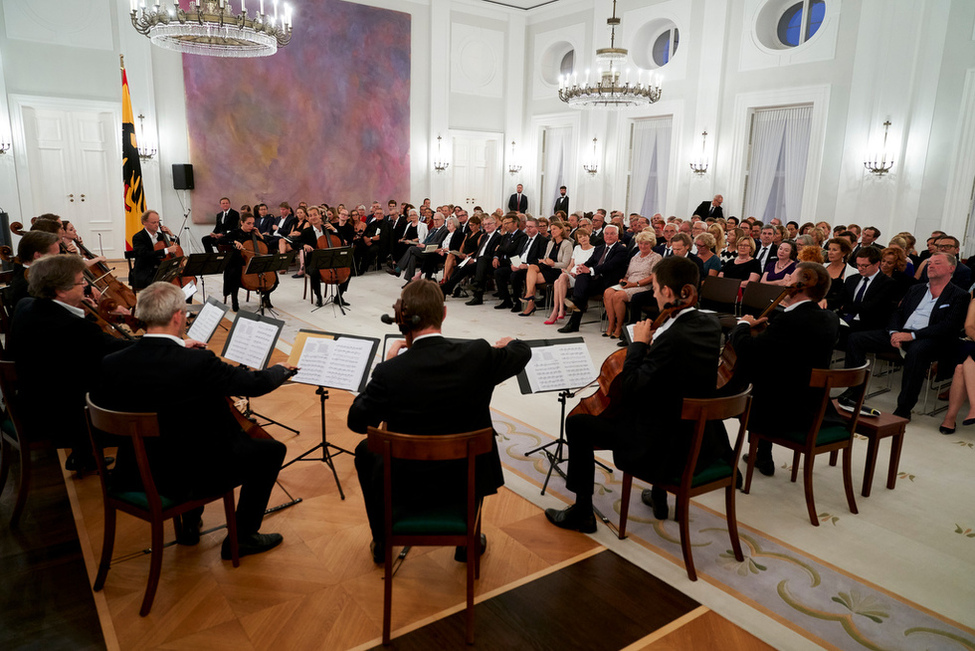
<point x="586" y="286"/>
<point x="919" y="355"/>
<point x="585" y="434"/>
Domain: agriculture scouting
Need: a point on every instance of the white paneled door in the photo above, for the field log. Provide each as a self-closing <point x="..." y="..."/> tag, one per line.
<point x="476" y="170"/>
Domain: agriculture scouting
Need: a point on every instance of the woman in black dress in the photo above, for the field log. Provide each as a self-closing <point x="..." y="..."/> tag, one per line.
<point x="744" y="267"/>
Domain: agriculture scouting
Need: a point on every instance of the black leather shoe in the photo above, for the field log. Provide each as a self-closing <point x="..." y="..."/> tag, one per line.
<point x="255" y="543"/>
<point x="455" y="293"/>
<point x="477" y="300"/>
<point x="573" y="323"/>
<point x="903" y="413"/>
<point x="190" y="534"/>
<point x="378" y="551"/>
<point x="235" y="306"/>
<point x="657" y="501"/>
<point x="572" y="518"/>
<point x="946" y="430"/>
<point x="460" y="553"/>
<point x="318" y="301"/>
<point x="764" y="466"/>
<point x="503" y="305"/>
<point x="339" y="300"/>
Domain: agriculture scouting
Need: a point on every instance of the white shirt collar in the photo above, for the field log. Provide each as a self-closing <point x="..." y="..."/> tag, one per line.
<point x="162" y="335"/>
<point x="77" y="311"/>
<point x="796" y="304"/>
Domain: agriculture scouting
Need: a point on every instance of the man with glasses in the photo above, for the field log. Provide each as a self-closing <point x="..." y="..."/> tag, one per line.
<point x="962" y="275"/>
<point x="869" y="298"/>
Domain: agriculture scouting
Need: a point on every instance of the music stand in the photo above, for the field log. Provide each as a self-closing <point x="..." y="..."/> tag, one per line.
<point x="269" y="263"/>
<point x="206" y="264"/>
<point x="168" y="270"/>
<point x="338" y="258"/>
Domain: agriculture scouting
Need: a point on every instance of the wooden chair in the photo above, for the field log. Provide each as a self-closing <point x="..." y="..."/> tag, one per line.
<point x="719" y="474"/>
<point x="817" y="439"/>
<point x="14" y="436"/>
<point x="448" y="520"/>
<point x="146" y="505"/>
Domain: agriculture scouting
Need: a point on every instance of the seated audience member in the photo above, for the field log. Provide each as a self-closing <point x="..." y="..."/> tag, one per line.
<point x="469" y="247"/>
<point x="289" y="240"/>
<point x="677" y="361"/>
<point x="40" y="329"/>
<point x="925" y="326"/>
<point x="730" y="250"/>
<point x="527" y="250"/>
<point x="780" y="387"/>
<point x="376" y="243"/>
<point x="551" y="263"/>
<point x="566" y="280"/>
<point x="868" y="296"/>
<point x="637" y="279"/>
<point x="452" y="241"/>
<point x="227" y="220"/>
<point x="778" y="270"/>
<point x="208" y="453"/>
<point x="146" y="256"/>
<point x="32" y="246"/>
<point x="901" y="242"/>
<point x="280" y="226"/>
<point x="439" y="366"/>
<point x="705" y="246"/>
<point x="603" y="269"/>
<point x="414" y="233"/>
<point x="809" y="251"/>
<point x="411" y="262"/>
<point x="479" y="265"/>
<point x="837" y="253"/>
<point x="962" y="275"/>
<point x="765" y="252"/>
<point x="744" y="267"/>
<point x="667" y="232"/>
<point x="645" y="303"/>
<point x="963" y="382"/>
<point x="893" y="263"/>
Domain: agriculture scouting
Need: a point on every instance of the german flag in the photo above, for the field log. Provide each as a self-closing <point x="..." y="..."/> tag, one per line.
<point x="135" y="199"/>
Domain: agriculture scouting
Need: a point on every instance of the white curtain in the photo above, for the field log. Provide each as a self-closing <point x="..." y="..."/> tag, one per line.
<point x="780" y="147"/>
<point x="553" y="167"/>
<point x="650" y="166"/>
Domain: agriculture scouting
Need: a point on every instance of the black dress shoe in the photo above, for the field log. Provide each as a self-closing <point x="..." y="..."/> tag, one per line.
<point x="460" y="553"/>
<point x="455" y="293"/>
<point x="255" y="543"/>
<point x="764" y="466"/>
<point x="573" y="518"/>
<point x="392" y="271"/>
<point x="190" y="534"/>
<point x="903" y="413"/>
<point x="378" y="551"/>
<point x="340" y="301"/>
<point x="946" y="430"/>
<point x="477" y="300"/>
<point x="235" y="306"/>
<point x="657" y="501"/>
<point x="503" y="305"/>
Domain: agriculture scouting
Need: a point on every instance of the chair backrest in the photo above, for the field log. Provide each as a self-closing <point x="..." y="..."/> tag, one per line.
<point x="839" y="378"/>
<point x="758" y="296"/>
<point x="6" y="310"/>
<point x="419" y="447"/>
<point x="9" y="388"/>
<point x="702" y="410"/>
<point x="717" y="291"/>
<point x="135" y="426"/>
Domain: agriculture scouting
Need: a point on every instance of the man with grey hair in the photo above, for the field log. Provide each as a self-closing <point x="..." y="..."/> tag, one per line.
<point x="41" y="329"/>
<point x="710" y="208"/>
<point x="201" y="449"/>
<point x="602" y="270"/>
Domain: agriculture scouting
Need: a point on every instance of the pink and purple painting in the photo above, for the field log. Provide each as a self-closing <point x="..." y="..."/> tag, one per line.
<point x="326" y="119"/>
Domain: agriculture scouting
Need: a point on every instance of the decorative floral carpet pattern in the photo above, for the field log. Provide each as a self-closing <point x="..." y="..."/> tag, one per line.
<point x="820" y="602"/>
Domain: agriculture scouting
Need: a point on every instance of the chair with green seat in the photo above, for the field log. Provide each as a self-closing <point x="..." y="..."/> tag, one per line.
<point x="451" y="518"/>
<point x="719" y="474"/>
<point x="818" y="439"/>
<point x="14" y="436"/>
<point x="148" y="504"/>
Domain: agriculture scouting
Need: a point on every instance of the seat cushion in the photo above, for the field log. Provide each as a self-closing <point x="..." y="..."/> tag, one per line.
<point x="8" y="428"/>
<point x="719" y="469"/>
<point x="141" y="500"/>
<point x="825" y="436"/>
<point x="448" y="519"/>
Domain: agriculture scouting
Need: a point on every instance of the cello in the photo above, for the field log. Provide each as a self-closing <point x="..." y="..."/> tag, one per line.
<point x="262" y="282"/>
<point x="329" y="239"/>
<point x="608" y="399"/>
<point x="165" y="243"/>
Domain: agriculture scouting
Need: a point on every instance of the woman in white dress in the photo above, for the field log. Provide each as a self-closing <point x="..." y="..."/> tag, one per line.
<point x="580" y="255"/>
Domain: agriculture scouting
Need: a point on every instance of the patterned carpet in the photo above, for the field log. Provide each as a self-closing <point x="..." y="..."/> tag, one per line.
<point x="828" y="606"/>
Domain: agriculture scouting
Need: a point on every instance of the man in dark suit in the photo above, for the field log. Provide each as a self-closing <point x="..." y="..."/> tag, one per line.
<point x="412" y="260"/>
<point x="227" y="220"/>
<point x="710" y="208"/>
<point x="962" y="276"/>
<point x="280" y="226"/>
<point x="479" y="266"/>
<point x="32" y="246"/>
<point x="781" y="393"/>
<point x="868" y="297"/>
<point x="512" y="241"/>
<point x="680" y="363"/>
<point x="925" y="326"/>
<point x="667" y="233"/>
<point x="208" y="453"/>
<point x="263" y="219"/>
<point x="440" y="366"/>
<point x="518" y="202"/>
<point x="562" y="202"/>
<point x="766" y="247"/>
<point x="147" y="258"/>
<point x="605" y="267"/>
<point x="53" y="390"/>
<point x="529" y="249"/>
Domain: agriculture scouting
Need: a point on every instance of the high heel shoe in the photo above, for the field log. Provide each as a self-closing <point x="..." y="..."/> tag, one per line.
<point x="946" y="430"/>
<point x="551" y="321"/>
<point x="531" y="311"/>
<point x="968" y="421"/>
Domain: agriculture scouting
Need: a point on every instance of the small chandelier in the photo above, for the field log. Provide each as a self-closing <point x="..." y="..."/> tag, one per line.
<point x="880" y="165"/>
<point x="700" y="166"/>
<point x="607" y="90"/>
<point x="211" y="28"/>
<point x="145" y="153"/>
<point x="512" y="167"/>
<point x="439" y="163"/>
<point x="4" y="147"/>
<point x="592" y="166"/>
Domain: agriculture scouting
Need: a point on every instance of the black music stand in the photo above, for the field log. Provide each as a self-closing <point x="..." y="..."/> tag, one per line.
<point x="338" y="258"/>
<point x="168" y="270"/>
<point x="261" y="264"/>
<point x="206" y="264"/>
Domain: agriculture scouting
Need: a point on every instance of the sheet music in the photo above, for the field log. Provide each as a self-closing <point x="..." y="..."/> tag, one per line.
<point x="206" y="322"/>
<point x="335" y="363"/>
<point x="516" y="261"/>
<point x="464" y="262"/>
<point x="189" y="289"/>
<point x="565" y="366"/>
<point x="251" y="342"/>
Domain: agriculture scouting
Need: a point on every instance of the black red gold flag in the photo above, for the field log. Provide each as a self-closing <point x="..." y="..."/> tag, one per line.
<point x="135" y="200"/>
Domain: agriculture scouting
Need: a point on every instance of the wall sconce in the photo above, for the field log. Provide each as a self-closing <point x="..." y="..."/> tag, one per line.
<point x="700" y="166"/>
<point x="592" y="166"/>
<point x="146" y="153"/>
<point x="513" y="167"/>
<point x="439" y="163"/>
<point x="878" y="163"/>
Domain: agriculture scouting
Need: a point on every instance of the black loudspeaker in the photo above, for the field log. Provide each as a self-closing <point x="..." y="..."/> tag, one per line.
<point x="182" y="176"/>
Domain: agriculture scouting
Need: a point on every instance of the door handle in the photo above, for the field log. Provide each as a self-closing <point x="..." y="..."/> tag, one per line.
<point x="82" y="198"/>
<point x="71" y="198"/>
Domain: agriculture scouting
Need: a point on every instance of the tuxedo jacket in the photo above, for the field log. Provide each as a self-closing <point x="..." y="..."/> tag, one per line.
<point x="228" y="223"/>
<point x="514" y="204"/>
<point x="53" y="388"/>
<point x="264" y="225"/>
<point x="778" y="362"/>
<point x="562" y="203"/>
<point x="187" y="388"/>
<point x="876" y="306"/>
<point x="772" y="250"/>
<point x="613" y="267"/>
<point x="146" y="260"/>
<point x="510" y="244"/>
<point x="440" y="367"/>
<point x="289" y="224"/>
<point x="534" y="253"/>
<point x="704" y="211"/>
<point x="17" y="289"/>
<point x="680" y="363"/>
<point x="399" y="226"/>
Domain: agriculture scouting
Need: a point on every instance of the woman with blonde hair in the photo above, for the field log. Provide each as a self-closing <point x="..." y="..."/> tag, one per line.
<point x="717" y="232"/>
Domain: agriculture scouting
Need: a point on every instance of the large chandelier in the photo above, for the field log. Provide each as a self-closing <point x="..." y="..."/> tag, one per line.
<point x="607" y="89"/>
<point x="211" y="28"/>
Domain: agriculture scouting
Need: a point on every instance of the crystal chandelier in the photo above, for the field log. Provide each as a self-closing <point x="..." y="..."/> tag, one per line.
<point x="879" y="164"/>
<point x="607" y="89"/>
<point x="211" y="28"/>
